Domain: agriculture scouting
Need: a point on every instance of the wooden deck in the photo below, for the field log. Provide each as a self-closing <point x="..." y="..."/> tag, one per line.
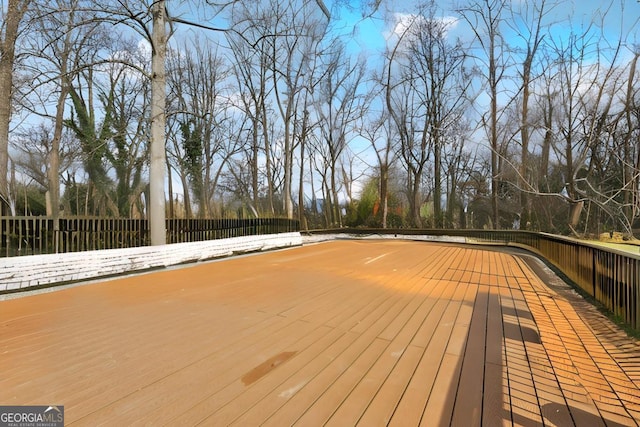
<point x="338" y="333"/>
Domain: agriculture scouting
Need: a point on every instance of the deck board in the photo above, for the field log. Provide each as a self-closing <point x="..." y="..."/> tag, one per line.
<point x="377" y="332"/>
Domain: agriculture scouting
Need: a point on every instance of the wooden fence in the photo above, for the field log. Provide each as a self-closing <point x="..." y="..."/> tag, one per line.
<point x="38" y="235"/>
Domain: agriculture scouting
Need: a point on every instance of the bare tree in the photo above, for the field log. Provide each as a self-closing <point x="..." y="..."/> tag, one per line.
<point x="527" y="20"/>
<point x="289" y="33"/>
<point x="32" y="153"/>
<point x="252" y="70"/>
<point x="197" y="79"/>
<point x="441" y="82"/>
<point x="10" y="18"/>
<point x="290" y="55"/>
<point x="338" y="105"/>
<point x="426" y="85"/>
<point x="402" y="106"/>
<point x="585" y="99"/>
<point x="458" y="164"/>
<point x="66" y="42"/>
<point x="379" y="133"/>
<point x="157" y="153"/>
<point x="630" y="146"/>
<point x="485" y="18"/>
<point x="130" y="149"/>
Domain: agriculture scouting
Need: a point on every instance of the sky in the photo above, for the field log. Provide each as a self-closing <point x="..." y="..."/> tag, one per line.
<point x="615" y="18"/>
<point x="612" y="19"/>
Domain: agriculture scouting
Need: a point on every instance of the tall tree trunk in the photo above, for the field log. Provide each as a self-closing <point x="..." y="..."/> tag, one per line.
<point x="267" y="159"/>
<point x="157" y="214"/>
<point x="288" y="169"/>
<point x="484" y="17"/>
<point x="451" y="197"/>
<point x="303" y="137"/>
<point x="335" y="212"/>
<point x="255" y="152"/>
<point x="636" y="185"/>
<point x="576" y="207"/>
<point x="630" y="189"/>
<point x="170" y="195"/>
<point x="186" y="197"/>
<point x="524" y="156"/>
<point x="53" y="171"/>
<point x="53" y="159"/>
<point x="314" y="202"/>
<point x="384" y="185"/>
<point x="437" y="180"/>
<point x="415" y="197"/>
<point x="13" y="16"/>
<point x="546" y="144"/>
<point x="535" y="38"/>
<point x="493" y="129"/>
<point x="301" y="217"/>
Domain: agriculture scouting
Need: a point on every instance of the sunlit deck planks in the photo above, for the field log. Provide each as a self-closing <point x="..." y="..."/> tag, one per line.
<point x="346" y="332"/>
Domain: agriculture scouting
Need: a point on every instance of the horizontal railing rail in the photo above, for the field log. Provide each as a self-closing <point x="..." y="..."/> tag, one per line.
<point x="610" y="276"/>
<point x="40" y="235"/>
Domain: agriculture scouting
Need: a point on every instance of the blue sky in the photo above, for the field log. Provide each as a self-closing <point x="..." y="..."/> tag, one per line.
<point x="617" y="18"/>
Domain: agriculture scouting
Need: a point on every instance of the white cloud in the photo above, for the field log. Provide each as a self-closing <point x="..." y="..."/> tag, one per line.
<point x="404" y="23"/>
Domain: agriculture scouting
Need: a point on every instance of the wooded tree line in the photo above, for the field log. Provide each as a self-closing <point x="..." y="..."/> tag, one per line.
<point x="520" y="120"/>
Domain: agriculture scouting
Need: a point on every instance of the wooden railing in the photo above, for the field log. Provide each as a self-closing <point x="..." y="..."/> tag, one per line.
<point x="39" y="235"/>
<point x="611" y="277"/>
